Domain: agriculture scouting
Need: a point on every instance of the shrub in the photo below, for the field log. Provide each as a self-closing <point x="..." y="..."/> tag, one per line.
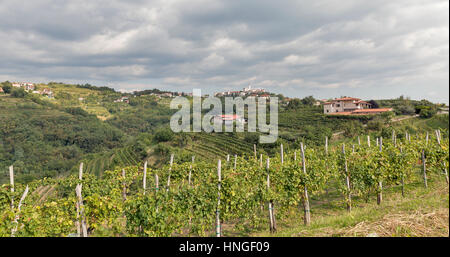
<point x="7" y="89"/>
<point x="427" y="113"/>
<point x="163" y="135"/>
<point x="376" y="125"/>
<point x="405" y="110"/>
<point x="18" y="93"/>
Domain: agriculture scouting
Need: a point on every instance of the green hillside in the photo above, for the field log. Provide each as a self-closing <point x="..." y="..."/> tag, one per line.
<point x="48" y="137"/>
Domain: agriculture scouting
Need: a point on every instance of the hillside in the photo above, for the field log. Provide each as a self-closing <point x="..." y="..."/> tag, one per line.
<point x="331" y="193"/>
<point x="87" y="123"/>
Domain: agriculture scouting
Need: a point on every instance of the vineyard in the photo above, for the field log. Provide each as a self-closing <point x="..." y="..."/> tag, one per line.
<point x="239" y="193"/>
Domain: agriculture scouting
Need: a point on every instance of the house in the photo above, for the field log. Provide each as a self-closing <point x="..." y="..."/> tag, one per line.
<point x="345" y="104"/>
<point x="26" y="85"/>
<point x="246" y="91"/>
<point x="29" y="87"/>
<point x="228" y="119"/>
<point x="36" y="92"/>
<point x="1" y="90"/>
<point x="249" y="89"/>
<point x="123" y="99"/>
<point x="351" y="106"/>
<point x="48" y="92"/>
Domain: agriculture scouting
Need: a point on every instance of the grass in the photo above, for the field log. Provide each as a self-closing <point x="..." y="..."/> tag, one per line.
<point x="423" y="212"/>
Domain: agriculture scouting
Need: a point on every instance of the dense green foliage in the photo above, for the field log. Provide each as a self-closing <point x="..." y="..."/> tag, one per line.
<point x="45" y="137"/>
<point x="44" y="141"/>
<point x="187" y="206"/>
<point x="402" y="105"/>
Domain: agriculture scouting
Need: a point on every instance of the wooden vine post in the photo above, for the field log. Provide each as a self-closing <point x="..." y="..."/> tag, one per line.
<point x="144" y="178"/>
<point x="359" y="141"/>
<point x="254" y="150"/>
<point x="156" y="183"/>
<point x="380" y="182"/>
<point x="445" y="173"/>
<point x="11" y="181"/>
<point x="218" y="230"/>
<point x="426" y="138"/>
<point x="170" y="172"/>
<point x="368" y="141"/>
<point x="326" y="145"/>
<point x="81" y="219"/>
<point x="190" y="171"/>
<point x="235" y="161"/>
<point x="424" y="169"/>
<point x="261" y="160"/>
<point x="124" y="186"/>
<point x="16" y="218"/>
<point x="347" y="181"/>
<point x="403" y="177"/>
<point x="281" y="153"/>
<point x="438" y="136"/>
<point x="394" y="138"/>
<point x="273" y="226"/>
<point x="305" y="196"/>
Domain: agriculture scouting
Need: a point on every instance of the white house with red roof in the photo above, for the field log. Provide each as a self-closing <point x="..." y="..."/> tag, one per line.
<point x="345" y="104"/>
<point x="228" y="119"/>
<point x="351" y="106"/>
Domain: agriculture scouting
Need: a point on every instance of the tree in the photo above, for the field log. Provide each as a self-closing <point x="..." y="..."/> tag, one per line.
<point x="294" y="104"/>
<point x="309" y="100"/>
<point x="374" y="104"/>
<point x="163" y="135"/>
<point x="427" y="113"/>
<point x="18" y="93"/>
<point x="6" y="87"/>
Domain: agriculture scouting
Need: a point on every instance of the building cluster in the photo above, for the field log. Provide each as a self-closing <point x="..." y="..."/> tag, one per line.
<point x="123" y="99"/>
<point x="247" y="91"/>
<point x="30" y="87"/>
<point x="351" y="106"/>
<point x="166" y="94"/>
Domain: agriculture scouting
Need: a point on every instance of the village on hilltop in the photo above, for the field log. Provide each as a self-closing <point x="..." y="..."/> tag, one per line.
<point x="30" y="87"/>
<point x="337" y="106"/>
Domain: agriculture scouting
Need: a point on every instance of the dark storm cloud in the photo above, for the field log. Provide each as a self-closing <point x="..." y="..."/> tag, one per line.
<point x="375" y="49"/>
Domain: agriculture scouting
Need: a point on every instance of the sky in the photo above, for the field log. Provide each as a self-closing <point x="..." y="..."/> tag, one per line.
<point x="368" y="49"/>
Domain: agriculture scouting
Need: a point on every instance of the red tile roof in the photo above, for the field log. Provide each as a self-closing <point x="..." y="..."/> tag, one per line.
<point x="347" y="99"/>
<point x="230" y="116"/>
<point x="373" y="110"/>
<point x="362" y="111"/>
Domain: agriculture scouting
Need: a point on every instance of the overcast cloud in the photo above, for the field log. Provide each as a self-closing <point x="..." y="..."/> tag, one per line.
<point x="367" y="49"/>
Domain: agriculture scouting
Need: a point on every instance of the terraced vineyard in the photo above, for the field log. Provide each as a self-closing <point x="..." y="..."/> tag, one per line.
<point x="118" y="157"/>
<point x="212" y="146"/>
<point x="206" y="199"/>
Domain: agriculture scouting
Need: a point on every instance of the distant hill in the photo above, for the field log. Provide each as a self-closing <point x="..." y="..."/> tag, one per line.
<point x="44" y="136"/>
